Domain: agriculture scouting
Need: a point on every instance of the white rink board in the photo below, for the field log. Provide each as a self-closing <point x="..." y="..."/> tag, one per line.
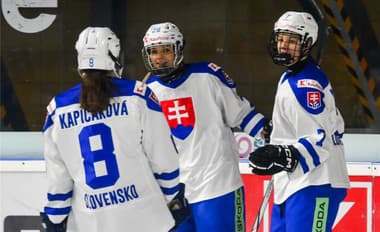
<point x="23" y="185"/>
<point x="23" y="180"/>
<point x="22" y="189"/>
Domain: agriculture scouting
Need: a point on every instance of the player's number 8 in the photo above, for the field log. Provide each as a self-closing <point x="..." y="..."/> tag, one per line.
<point x="97" y="150"/>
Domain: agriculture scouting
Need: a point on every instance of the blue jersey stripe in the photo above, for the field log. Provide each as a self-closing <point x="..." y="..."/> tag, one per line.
<point x="260" y="124"/>
<point x="167" y="176"/>
<point x="123" y="87"/>
<point x="170" y="191"/>
<point x="69" y="97"/>
<point x="60" y="196"/>
<point x="57" y="211"/>
<point x="48" y="122"/>
<point x="151" y="100"/>
<point x="303" y="163"/>
<point x="311" y="151"/>
<point x="247" y="119"/>
<point x="200" y="67"/>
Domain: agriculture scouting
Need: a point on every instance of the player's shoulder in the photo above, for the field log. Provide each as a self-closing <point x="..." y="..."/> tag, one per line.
<point x="124" y="87"/>
<point x="128" y="87"/>
<point x="152" y="79"/>
<point x="143" y="91"/>
<point x="214" y="70"/>
<point x="308" y="87"/>
<point x="67" y="97"/>
<point x="203" y="66"/>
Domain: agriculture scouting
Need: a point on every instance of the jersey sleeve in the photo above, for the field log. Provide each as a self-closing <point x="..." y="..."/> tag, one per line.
<point x="160" y="148"/>
<point x="60" y="184"/>
<point x="318" y="124"/>
<point x="237" y="111"/>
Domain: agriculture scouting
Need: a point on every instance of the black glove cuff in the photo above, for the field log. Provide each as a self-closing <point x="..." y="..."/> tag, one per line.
<point x="49" y="226"/>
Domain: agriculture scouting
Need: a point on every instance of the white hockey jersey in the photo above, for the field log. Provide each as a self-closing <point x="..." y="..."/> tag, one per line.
<point x="306" y="117"/>
<point x="202" y="107"/>
<point x="108" y="171"/>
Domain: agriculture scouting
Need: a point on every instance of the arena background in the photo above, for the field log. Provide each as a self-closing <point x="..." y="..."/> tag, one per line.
<point x="38" y="59"/>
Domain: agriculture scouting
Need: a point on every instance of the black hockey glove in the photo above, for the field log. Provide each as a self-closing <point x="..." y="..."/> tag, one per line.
<point x="179" y="207"/>
<point x="271" y="159"/>
<point x="50" y="226"/>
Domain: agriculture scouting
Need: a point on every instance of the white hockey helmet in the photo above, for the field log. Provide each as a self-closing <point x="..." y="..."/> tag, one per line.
<point x="163" y="34"/>
<point x="298" y="23"/>
<point x="301" y="23"/>
<point x="99" y="48"/>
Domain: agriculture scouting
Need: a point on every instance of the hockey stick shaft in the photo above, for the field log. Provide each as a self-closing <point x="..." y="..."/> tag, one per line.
<point x="323" y="33"/>
<point x="323" y="27"/>
<point x="263" y="206"/>
<point x="146" y="77"/>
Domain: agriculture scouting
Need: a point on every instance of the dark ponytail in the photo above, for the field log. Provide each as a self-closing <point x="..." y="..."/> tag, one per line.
<point x="96" y="90"/>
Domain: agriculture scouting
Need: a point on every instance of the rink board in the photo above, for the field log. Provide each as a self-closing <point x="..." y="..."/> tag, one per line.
<point x="23" y="190"/>
<point x="360" y="211"/>
<point x="23" y="182"/>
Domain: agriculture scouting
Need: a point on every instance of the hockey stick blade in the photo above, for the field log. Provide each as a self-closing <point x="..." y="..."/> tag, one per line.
<point x="263" y="206"/>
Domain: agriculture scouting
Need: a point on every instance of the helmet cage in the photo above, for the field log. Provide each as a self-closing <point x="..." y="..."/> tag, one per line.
<point x="165" y="33"/>
<point x="178" y="57"/>
<point x="286" y="59"/>
<point x="295" y="23"/>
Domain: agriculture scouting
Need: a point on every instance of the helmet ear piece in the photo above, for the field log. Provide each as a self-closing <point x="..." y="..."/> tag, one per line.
<point x="183" y="44"/>
<point x="306" y="47"/>
<point x="180" y="47"/>
<point x="309" y="43"/>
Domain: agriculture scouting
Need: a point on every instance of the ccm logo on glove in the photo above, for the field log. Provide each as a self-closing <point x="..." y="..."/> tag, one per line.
<point x="271" y="159"/>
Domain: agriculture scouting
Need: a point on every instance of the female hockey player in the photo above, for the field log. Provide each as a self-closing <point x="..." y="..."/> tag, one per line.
<point x="201" y="106"/>
<point x="111" y="162"/>
<point x="306" y="154"/>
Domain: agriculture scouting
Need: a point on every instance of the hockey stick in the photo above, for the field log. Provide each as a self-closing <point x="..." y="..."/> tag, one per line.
<point x="323" y="45"/>
<point x="323" y="30"/>
<point x="146" y="77"/>
<point x="263" y="206"/>
<point x="323" y="33"/>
